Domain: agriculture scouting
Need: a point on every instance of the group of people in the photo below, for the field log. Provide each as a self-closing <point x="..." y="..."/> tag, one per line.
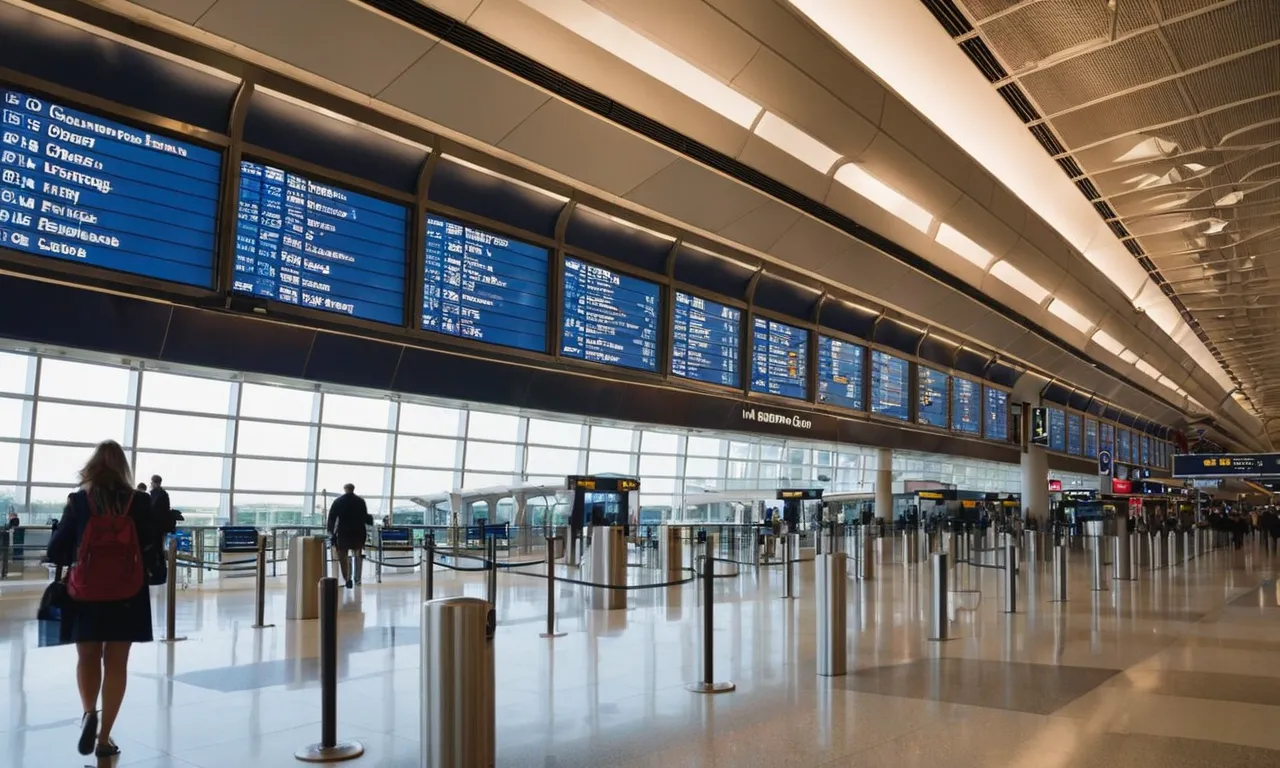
<point x="1238" y="523"/>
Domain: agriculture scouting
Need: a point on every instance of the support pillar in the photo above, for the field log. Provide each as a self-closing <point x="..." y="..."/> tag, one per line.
<point x="1035" y="484"/>
<point x="884" y="484"/>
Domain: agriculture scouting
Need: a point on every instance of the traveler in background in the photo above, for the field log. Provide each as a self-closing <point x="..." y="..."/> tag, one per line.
<point x="160" y="506"/>
<point x="13" y="521"/>
<point x="109" y="538"/>
<point x="142" y="487"/>
<point x="348" y="518"/>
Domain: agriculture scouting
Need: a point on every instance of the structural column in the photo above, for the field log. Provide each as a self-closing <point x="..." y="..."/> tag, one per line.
<point x="1035" y="483"/>
<point x="884" y="484"/>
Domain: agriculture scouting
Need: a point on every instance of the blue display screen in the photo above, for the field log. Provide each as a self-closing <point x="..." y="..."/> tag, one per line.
<point x="995" y="415"/>
<point x="966" y="406"/>
<point x="889" y="386"/>
<point x="779" y="358"/>
<point x="609" y="318"/>
<point x="1057" y="429"/>
<point x="1091" y="438"/>
<point x="840" y="372"/>
<point x="484" y="286"/>
<point x="1146" y="450"/>
<point x="80" y="188"/>
<point x="1107" y="438"/>
<point x="1074" y="423"/>
<point x="931" y="397"/>
<point x="319" y="246"/>
<point x="1122" y="445"/>
<point x="706" y="338"/>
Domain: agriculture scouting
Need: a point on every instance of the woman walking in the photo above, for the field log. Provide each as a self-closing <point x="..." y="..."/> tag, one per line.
<point x="110" y="542"/>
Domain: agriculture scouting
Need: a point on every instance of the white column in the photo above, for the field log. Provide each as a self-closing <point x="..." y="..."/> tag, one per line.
<point x="884" y="484"/>
<point x="1035" y="483"/>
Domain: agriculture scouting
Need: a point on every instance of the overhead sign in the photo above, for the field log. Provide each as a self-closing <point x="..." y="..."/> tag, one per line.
<point x="764" y="416"/>
<point x="1104" y="463"/>
<point x="808" y="494"/>
<point x="1121" y="486"/>
<point x="1226" y="465"/>
<point x="1055" y="485"/>
<point x="1039" y="426"/>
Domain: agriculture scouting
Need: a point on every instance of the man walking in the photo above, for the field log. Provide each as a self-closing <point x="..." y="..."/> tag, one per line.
<point x="160" y="510"/>
<point x="348" y="520"/>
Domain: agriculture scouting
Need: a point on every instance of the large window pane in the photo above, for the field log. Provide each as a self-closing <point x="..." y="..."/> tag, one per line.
<point x="11" y="416"/>
<point x="199" y="508"/>
<point x="492" y="426"/>
<point x="558" y="433"/>
<point x="258" y="438"/>
<point x="47" y="502"/>
<point x="487" y="480"/>
<point x="9" y="454"/>
<point x="13" y="372"/>
<point x="610" y="439"/>
<point x="84" y="381"/>
<point x="422" y="482"/>
<point x="704" y="446"/>
<point x="367" y="480"/>
<point x="269" y="509"/>
<point x="353" y="445"/>
<point x="600" y="462"/>
<point x="79" y="423"/>
<point x="264" y="401"/>
<point x="172" y="392"/>
<point x="181" y="471"/>
<point x="551" y="461"/>
<point x="660" y="442"/>
<point x="429" y="419"/>
<point x="182" y="433"/>
<point x="265" y="475"/>
<point x="655" y="466"/>
<point x="490" y="457"/>
<point x="426" y="451"/>
<point x="357" y="412"/>
<point x="58" y="465"/>
<point x="699" y="467"/>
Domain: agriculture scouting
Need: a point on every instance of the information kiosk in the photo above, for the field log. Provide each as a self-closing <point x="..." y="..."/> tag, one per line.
<point x="602" y="500"/>
<point x="237" y="548"/>
<point x="802" y="511"/>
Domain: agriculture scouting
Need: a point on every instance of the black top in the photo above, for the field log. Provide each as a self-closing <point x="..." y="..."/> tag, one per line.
<point x="160" y="510"/>
<point x="347" y="520"/>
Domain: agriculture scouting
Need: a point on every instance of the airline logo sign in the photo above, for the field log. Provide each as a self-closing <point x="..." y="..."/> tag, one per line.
<point x="762" y="416"/>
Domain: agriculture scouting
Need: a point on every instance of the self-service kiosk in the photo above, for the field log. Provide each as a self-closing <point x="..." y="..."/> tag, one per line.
<point x="396" y="547"/>
<point x="237" y="546"/>
<point x="802" y="511"/>
<point x="600" y="500"/>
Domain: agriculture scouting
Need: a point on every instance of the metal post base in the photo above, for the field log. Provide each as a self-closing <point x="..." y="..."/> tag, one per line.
<point x="318" y="753"/>
<point x="710" y="687"/>
<point x="552" y="634"/>
<point x="262" y="626"/>
<point x="172" y="639"/>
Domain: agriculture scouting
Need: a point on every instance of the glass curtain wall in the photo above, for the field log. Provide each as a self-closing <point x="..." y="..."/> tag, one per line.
<point x="248" y="450"/>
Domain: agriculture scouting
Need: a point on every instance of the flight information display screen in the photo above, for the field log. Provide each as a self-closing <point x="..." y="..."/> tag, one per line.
<point x="1091" y="438"/>
<point x="889" y="386"/>
<point x="1074" y="428"/>
<point x="79" y="188"/>
<point x="966" y="406"/>
<point x="841" y="365"/>
<point x="484" y="286"/>
<point x="779" y="358"/>
<point x="1122" y="445"/>
<point x="996" y="414"/>
<point x="706" y="337"/>
<point x="931" y="397"/>
<point x="1057" y="429"/>
<point x="609" y="318"/>
<point x="1146" y="450"/>
<point x="319" y="246"/>
<point x="1107" y="438"/>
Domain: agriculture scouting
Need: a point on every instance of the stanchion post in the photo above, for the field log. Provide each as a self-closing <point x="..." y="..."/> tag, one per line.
<point x="1010" y="578"/>
<point x="938" y="613"/>
<point x="707" y="684"/>
<point x="1059" y="573"/>
<point x="551" y="594"/>
<point x="329" y="749"/>
<point x="491" y="576"/>
<point x="789" y="556"/>
<point x="260" y="587"/>
<point x="1099" y="575"/>
<point x="171" y="594"/>
<point x="429" y="568"/>
<point x="831" y="586"/>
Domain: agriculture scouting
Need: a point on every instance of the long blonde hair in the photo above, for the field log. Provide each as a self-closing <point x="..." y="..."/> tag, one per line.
<point x="107" y="469"/>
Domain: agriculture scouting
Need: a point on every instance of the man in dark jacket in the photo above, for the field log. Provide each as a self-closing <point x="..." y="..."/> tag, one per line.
<point x="160" y="511"/>
<point x="348" y="518"/>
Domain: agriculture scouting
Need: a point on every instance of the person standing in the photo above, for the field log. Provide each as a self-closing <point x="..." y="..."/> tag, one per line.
<point x="109" y="540"/>
<point x="348" y="521"/>
<point x="160" y="506"/>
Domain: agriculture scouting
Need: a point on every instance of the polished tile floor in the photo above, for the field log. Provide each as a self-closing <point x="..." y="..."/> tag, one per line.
<point x="1181" y="668"/>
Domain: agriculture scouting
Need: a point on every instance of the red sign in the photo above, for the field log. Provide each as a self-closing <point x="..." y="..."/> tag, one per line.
<point x="1055" y="485"/>
<point x="1121" y="486"/>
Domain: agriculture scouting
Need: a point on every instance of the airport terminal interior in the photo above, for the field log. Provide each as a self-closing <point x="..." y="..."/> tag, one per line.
<point x="562" y="383"/>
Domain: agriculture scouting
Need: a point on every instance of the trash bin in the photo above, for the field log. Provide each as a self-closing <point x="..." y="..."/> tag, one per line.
<point x="458" y="715"/>
<point x="306" y="567"/>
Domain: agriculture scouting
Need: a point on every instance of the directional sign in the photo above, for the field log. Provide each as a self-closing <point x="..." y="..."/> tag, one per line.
<point x="1226" y="465"/>
<point x="1104" y="463"/>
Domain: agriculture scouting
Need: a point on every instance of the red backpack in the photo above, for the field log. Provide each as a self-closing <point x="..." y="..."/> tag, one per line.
<point x="109" y="562"/>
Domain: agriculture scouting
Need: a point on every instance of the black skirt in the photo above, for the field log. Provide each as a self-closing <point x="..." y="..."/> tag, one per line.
<point x="127" y="621"/>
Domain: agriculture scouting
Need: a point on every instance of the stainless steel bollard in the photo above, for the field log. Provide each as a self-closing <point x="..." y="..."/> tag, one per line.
<point x="831" y="587"/>
<point x="1171" y="547"/>
<point x="671" y="553"/>
<point x="197" y="546"/>
<point x="429" y="568"/>
<point x="306" y="566"/>
<point x="260" y="586"/>
<point x="1122" y="568"/>
<point x="458" y="716"/>
<point x="707" y="684"/>
<point x="608" y="567"/>
<point x="1031" y="547"/>
<point x="1059" y="573"/>
<point x="329" y="749"/>
<point x="1099" y="573"/>
<point x="551" y="594"/>
<point x="491" y="572"/>
<point x="790" y="564"/>
<point x="1158" y="549"/>
<point x="171" y="594"/>
<point x="1010" y="578"/>
<point x="939" y="616"/>
<point x="867" y="563"/>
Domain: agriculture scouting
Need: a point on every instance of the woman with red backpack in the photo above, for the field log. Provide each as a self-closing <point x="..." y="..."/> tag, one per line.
<point x="111" y="544"/>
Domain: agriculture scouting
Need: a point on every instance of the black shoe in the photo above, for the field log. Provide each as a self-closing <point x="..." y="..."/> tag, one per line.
<point x="88" y="733"/>
<point x="349" y="586"/>
<point x="106" y="750"/>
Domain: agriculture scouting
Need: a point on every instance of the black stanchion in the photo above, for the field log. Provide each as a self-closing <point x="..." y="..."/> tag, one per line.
<point x="491" y="577"/>
<point x="329" y="749"/>
<point x="429" y="568"/>
<point x="708" y="684"/>
<point x="171" y="595"/>
<point x="261" y="586"/>
<point x="551" y="593"/>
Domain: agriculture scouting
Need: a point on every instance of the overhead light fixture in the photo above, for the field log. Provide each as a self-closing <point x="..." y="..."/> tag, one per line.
<point x="955" y="241"/>
<point x="796" y="143"/>
<point x="1215" y="226"/>
<point x="1127" y="356"/>
<point x="868" y="186"/>
<point x="617" y="38"/>
<point x="635" y="226"/>
<point x="504" y="177"/>
<point x="1148" y="368"/>
<point x="1193" y="167"/>
<point x="1105" y="340"/>
<point x="1231" y="198"/>
<point x="1068" y="314"/>
<point x="1018" y="281"/>
<point x="1167" y="382"/>
<point x="1148" y="149"/>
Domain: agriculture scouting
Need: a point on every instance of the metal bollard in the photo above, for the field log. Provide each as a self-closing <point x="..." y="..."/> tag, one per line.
<point x="459" y="721"/>
<point x="171" y="595"/>
<point x="1121" y="566"/>
<point x="429" y="568"/>
<point x="261" y="586"/>
<point x="198" y="547"/>
<point x="790" y="556"/>
<point x="609" y="568"/>
<point x="707" y="684"/>
<point x="551" y="594"/>
<point x="491" y="574"/>
<point x="1099" y="575"/>
<point x="329" y="749"/>
<point x="6" y="552"/>
<point x="939" y="618"/>
<point x="1010" y="578"/>
<point x="833" y="623"/>
<point x="867" y="565"/>
<point x="1059" y="573"/>
<point x="1171" y="544"/>
<point x="671" y="553"/>
<point x="1032" y="542"/>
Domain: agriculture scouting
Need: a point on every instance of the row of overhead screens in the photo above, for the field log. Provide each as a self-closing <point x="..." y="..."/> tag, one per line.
<point x="80" y="187"/>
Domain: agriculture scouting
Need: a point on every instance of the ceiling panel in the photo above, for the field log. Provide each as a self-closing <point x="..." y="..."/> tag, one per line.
<point x="697" y="195"/>
<point x="693" y="29"/>
<point x="186" y="11"/>
<point x="761" y="228"/>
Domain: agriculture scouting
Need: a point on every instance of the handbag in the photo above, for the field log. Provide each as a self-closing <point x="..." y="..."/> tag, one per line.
<point x="52" y="602"/>
<point x="154" y="566"/>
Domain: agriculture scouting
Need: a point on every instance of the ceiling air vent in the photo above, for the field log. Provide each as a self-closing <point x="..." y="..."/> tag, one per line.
<point x="949" y="16"/>
<point x="1047" y="139"/>
<point x="1087" y="189"/>
<point x="1134" y="248"/>
<point x="1017" y="100"/>
<point x="983" y="59"/>
<point x="1104" y="209"/>
<point x="419" y="15"/>
<point x="1117" y="228"/>
<point x="1069" y="166"/>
